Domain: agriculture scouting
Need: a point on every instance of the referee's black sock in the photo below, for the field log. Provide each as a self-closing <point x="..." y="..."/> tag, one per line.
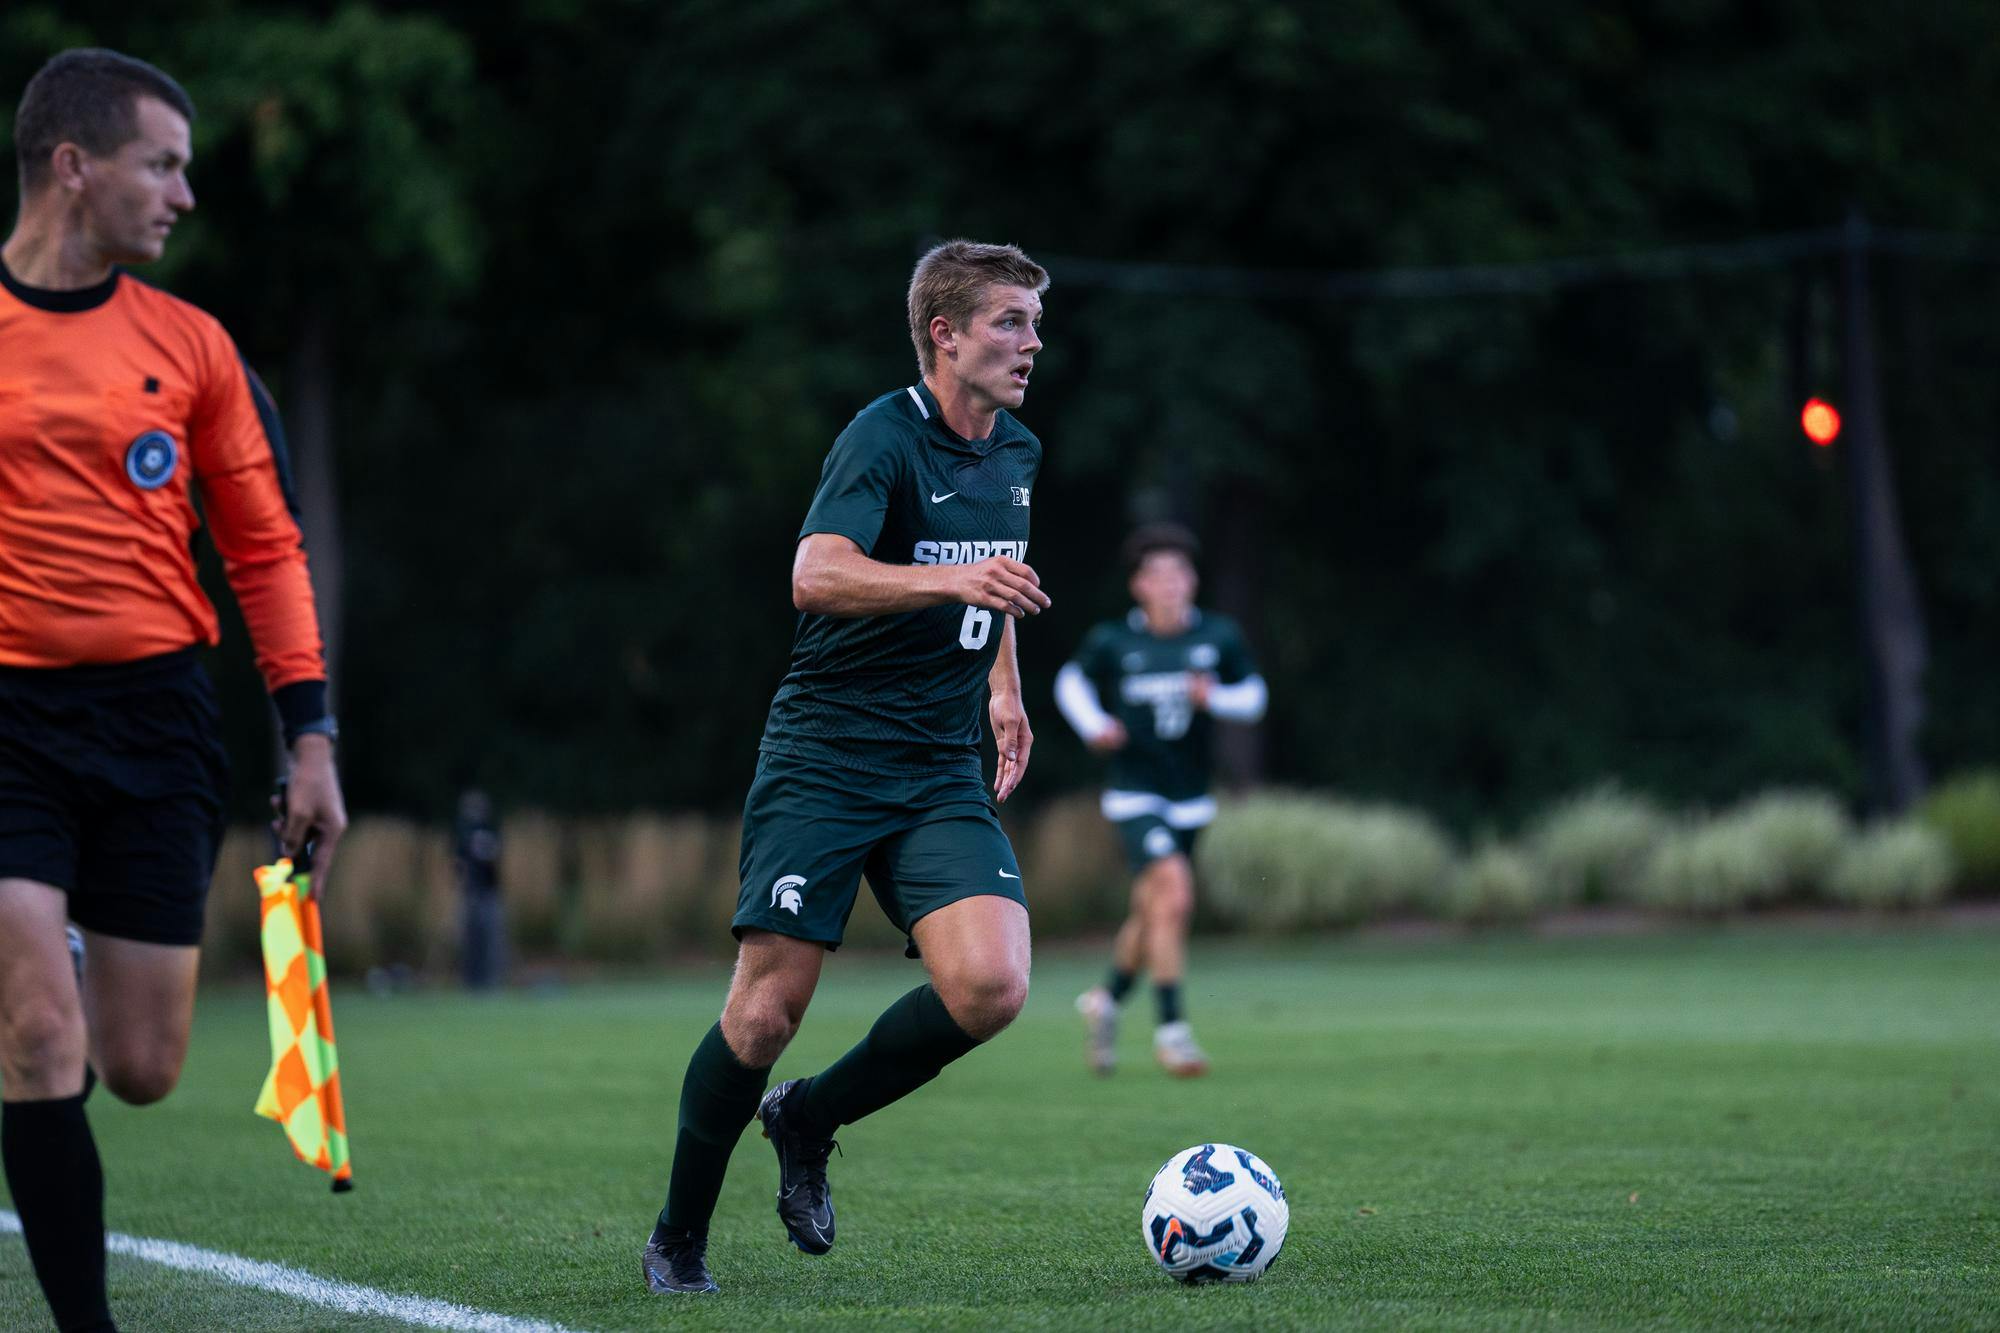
<point x="911" y="1042"/>
<point x="718" y="1097"/>
<point x="1120" y="984"/>
<point x="1168" y="994"/>
<point x="58" y="1187"/>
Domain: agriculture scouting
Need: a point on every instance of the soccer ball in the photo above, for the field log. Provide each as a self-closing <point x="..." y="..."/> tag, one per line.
<point x="1214" y="1213"/>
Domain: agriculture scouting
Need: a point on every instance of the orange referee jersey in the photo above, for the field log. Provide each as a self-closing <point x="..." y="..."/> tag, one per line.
<point x="120" y="408"/>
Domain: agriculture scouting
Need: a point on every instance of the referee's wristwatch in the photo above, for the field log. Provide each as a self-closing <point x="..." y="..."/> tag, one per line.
<point x="323" y="726"/>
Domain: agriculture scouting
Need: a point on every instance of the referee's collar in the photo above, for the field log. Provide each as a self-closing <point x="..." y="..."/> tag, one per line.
<point x="71" y="302"/>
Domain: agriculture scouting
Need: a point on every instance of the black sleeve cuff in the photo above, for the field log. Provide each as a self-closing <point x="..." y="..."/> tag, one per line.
<point x="298" y="703"/>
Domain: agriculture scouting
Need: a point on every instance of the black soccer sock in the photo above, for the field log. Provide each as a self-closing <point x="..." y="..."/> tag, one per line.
<point x="1120" y="984"/>
<point x="1169" y="995"/>
<point x="911" y="1042"/>
<point x="718" y="1097"/>
<point x="58" y="1187"/>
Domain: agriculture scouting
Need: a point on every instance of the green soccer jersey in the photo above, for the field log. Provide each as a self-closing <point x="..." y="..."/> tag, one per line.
<point x="1142" y="680"/>
<point x="902" y="693"/>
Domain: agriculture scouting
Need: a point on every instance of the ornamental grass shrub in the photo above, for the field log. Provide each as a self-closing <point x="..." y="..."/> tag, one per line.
<point x="1593" y="847"/>
<point x="535" y="849"/>
<point x="1709" y="868"/>
<point x="1800" y="834"/>
<point x="1494" y="884"/>
<point x="643" y="882"/>
<point x="1281" y="862"/>
<point x="1902" y="864"/>
<point x="1776" y="847"/>
<point x="230" y="940"/>
<point x="1966" y="811"/>
<point x="1072" y="858"/>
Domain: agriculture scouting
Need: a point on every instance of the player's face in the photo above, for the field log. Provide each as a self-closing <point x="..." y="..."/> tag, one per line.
<point x="1164" y="584"/>
<point x="993" y="355"/>
<point x="132" y="197"/>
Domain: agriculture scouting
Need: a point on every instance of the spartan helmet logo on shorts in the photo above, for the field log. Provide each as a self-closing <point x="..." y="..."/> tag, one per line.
<point x="785" y="893"/>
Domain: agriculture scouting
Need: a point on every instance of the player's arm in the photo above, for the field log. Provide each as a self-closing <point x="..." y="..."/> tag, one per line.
<point x="239" y="463"/>
<point x="1238" y="701"/>
<point x="832" y="576"/>
<point x="1239" y="695"/>
<point x="1012" y="737"/>
<point x="1078" y="701"/>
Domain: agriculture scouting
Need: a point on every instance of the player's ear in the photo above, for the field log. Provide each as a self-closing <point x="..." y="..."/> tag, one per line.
<point x="942" y="336"/>
<point x="67" y="166"/>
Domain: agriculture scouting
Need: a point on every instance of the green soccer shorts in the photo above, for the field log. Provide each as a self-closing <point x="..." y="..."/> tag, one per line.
<point x="812" y="830"/>
<point x="1148" y="838"/>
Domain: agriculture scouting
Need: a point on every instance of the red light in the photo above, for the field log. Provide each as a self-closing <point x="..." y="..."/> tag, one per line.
<point x="1821" y="422"/>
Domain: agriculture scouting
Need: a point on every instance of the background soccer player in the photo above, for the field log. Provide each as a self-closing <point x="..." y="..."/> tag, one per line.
<point x="909" y="574"/>
<point x="119" y="407"/>
<point x="1167" y="669"/>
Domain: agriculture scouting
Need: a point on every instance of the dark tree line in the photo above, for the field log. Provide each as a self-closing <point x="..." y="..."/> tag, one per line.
<point x="564" y="302"/>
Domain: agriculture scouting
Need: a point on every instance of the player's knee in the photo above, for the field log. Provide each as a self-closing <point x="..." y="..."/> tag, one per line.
<point x="758" y="1026"/>
<point x="44" y="1043"/>
<point x="986" y="1001"/>
<point x="140" y="1080"/>
<point x="1169" y="889"/>
<point x="1175" y="901"/>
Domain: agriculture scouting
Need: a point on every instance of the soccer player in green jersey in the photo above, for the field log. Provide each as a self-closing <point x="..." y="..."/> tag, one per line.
<point x="1167" y="668"/>
<point x="910" y="571"/>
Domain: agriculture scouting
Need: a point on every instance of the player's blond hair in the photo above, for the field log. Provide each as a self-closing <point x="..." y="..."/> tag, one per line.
<point x="951" y="280"/>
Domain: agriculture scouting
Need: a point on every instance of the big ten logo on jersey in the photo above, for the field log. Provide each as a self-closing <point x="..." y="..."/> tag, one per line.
<point x="1020" y="494"/>
<point x="966" y="553"/>
<point x="1166" y="693"/>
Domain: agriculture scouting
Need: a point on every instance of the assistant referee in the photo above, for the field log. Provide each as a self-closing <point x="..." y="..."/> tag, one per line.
<point x="121" y="407"/>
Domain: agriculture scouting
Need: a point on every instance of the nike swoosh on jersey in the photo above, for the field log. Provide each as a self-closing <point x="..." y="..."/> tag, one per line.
<point x="937" y="499"/>
<point x="1005" y="875"/>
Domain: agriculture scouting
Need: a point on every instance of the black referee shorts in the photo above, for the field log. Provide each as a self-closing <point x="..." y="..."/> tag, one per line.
<point x="111" y="788"/>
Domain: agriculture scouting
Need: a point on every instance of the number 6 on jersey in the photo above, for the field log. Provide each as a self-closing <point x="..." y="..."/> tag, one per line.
<point x="978" y="624"/>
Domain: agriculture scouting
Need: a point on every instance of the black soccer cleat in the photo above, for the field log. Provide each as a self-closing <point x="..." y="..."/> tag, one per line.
<point x="805" y="1200"/>
<point x="676" y="1265"/>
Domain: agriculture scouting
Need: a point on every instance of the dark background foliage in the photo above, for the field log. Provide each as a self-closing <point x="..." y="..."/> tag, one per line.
<point x="566" y="301"/>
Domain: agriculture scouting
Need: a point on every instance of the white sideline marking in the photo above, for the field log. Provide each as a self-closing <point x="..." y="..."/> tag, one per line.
<point x="303" y="1286"/>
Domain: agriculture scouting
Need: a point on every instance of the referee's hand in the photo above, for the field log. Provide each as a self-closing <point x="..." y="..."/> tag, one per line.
<point x="314" y="811"/>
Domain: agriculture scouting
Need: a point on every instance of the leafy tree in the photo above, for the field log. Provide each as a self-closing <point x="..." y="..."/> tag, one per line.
<point x="593" y="286"/>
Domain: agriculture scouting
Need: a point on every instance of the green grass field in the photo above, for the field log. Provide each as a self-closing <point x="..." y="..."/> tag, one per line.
<point x="1743" y="1128"/>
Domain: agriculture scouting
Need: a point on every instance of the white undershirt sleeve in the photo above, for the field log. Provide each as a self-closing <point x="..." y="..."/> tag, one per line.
<point x="1077" y="698"/>
<point x="1242" y="702"/>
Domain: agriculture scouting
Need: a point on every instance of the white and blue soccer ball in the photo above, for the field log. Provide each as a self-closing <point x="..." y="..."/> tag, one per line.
<point x="1214" y="1213"/>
